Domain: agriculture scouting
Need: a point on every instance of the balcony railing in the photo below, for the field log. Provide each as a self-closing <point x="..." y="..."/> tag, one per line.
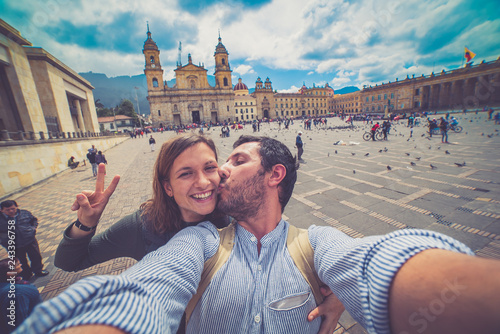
<point x="21" y="136"/>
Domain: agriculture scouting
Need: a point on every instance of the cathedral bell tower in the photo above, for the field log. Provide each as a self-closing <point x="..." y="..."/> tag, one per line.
<point x="153" y="71"/>
<point x="222" y="69"/>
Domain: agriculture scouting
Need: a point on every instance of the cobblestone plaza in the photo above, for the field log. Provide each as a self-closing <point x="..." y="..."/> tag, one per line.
<point x="348" y="186"/>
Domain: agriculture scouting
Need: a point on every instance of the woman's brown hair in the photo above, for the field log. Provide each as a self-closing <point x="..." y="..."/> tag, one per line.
<point x="161" y="214"/>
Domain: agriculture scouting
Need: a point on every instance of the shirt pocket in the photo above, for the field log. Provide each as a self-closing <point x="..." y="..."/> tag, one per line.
<point x="289" y="314"/>
<point x="290" y="302"/>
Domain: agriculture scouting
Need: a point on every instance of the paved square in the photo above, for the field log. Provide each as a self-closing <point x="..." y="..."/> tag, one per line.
<point x="347" y="186"/>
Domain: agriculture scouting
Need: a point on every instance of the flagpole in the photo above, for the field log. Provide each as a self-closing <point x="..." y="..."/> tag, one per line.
<point x="463" y="56"/>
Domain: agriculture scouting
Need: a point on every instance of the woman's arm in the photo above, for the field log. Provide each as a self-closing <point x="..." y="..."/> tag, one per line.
<point x="122" y="239"/>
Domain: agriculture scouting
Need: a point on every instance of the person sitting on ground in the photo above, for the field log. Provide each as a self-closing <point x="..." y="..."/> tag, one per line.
<point x="18" y="297"/>
<point x="72" y="163"/>
<point x="185" y="182"/>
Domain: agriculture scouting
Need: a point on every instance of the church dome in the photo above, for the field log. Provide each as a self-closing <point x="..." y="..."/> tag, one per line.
<point x="240" y="85"/>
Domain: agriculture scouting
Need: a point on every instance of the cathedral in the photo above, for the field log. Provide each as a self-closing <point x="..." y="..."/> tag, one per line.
<point x="193" y="100"/>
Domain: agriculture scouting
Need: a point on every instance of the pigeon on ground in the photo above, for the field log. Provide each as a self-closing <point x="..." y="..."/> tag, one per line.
<point x="354" y="171"/>
<point x="389" y="168"/>
<point x="418" y="158"/>
<point x="432" y="166"/>
<point x="367" y="154"/>
<point x="385" y="149"/>
<point x="413" y="164"/>
<point x="335" y="151"/>
<point x="408" y="154"/>
<point x="353" y="153"/>
<point x="447" y="152"/>
<point x="379" y="151"/>
<point x="439" y="147"/>
<point x="459" y="164"/>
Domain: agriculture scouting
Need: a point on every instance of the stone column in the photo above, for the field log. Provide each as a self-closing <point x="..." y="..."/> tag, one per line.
<point x="81" y="123"/>
<point x="444" y="95"/>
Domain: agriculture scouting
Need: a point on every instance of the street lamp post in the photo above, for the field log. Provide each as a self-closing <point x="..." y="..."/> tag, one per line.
<point x="114" y="119"/>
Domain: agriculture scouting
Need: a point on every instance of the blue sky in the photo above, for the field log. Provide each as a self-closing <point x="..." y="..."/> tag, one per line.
<point x="339" y="42"/>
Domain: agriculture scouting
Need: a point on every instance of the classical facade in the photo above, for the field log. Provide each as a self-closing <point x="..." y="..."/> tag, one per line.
<point x="245" y="104"/>
<point x="39" y="95"/>
<point x="470" y="87"/>
<point x="192" y="99"/>
<point x="350" y="103"/>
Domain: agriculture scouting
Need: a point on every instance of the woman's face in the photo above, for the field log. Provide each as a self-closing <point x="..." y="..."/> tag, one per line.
<point x="193" y="183"/>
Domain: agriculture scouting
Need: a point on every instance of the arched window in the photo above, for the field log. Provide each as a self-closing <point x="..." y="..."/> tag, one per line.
<point x="225" y="82"/>
<point x="193" y="86"/>
<point x="152" y="59"/>
<point x="175" y="107"/>
<point x="155" y="82"/>
<point x="223" y="61"/>
<point x="213" y="105"/>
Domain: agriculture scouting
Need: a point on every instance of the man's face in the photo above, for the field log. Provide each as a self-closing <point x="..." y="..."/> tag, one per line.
<point x="242" y="190"/>
<point x="10" y="211"/>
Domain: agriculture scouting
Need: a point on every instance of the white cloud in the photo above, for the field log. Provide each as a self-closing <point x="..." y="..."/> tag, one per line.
<point x="335" y="41"/>
<point x="244" y="69"/>
<point x="292" y="89"/>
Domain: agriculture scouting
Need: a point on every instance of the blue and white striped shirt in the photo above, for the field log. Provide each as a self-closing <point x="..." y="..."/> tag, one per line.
<point x="251" y="293"/>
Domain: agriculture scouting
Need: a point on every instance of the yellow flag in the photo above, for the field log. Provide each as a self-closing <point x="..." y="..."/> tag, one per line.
<point x="469" y="54"/>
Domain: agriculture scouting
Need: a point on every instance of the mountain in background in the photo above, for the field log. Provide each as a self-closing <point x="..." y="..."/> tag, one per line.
<point x="346" y="90"/>
<point x="110" y="91"/>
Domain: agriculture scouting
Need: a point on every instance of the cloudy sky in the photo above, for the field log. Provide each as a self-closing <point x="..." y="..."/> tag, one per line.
<point x="339" y="42"/>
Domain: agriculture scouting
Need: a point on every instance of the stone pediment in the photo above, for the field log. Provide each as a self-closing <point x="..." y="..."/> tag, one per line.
<point x="191" y="67"/>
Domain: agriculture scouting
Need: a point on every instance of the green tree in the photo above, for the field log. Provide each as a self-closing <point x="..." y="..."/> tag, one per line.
<point x="104" y="112"/>
<point x="98" y="104"/>
<point x="126" y="107"/>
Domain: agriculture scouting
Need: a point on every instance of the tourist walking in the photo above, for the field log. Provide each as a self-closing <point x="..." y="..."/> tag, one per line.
<point x="91" y="156"/>
<point x="299" y="144"/>
<point x="100" y="158"/>
<point x="374" y="130"/>
<point x="444" y="130"/>
<point x="152" y="142"/>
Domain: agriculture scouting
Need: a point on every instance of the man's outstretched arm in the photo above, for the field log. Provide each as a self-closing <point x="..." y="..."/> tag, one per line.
<point x="438" y="291"/>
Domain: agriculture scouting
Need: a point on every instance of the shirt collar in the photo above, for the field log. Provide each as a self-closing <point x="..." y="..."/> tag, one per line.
<point x="266" y="240"/>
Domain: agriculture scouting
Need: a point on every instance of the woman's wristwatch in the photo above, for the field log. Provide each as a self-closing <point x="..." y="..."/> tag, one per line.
<point x="82" y="227"/>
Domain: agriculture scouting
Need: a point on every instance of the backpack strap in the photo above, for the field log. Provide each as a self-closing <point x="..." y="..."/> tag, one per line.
<point x="302" y="253"/>
<point x="213" y="264"/>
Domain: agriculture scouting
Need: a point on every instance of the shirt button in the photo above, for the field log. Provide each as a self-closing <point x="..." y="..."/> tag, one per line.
<point x="257" y="318"/>
<point x="259" y="267"/>
<point x="253" y="239"/>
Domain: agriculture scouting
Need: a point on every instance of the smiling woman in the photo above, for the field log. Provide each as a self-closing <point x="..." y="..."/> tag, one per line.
<point x="185" y="184"/>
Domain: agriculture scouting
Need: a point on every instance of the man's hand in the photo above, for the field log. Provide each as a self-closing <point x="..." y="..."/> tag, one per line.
<point x="331" y="308"/>
<point x="91" y="204"/>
